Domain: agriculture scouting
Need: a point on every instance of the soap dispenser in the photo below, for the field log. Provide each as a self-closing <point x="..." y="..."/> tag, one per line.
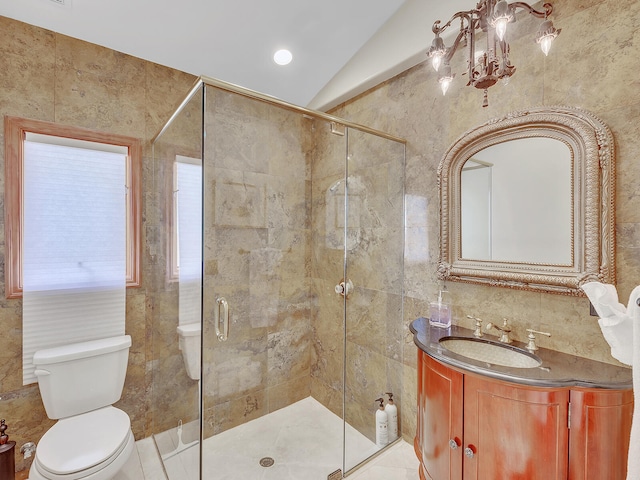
<point x="392" y="418"/>
<point x="382" y="425"/>
<point x="440" y="310"/>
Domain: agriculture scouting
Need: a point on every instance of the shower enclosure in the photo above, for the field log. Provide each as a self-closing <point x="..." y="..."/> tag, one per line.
<point x="278" y="267"/>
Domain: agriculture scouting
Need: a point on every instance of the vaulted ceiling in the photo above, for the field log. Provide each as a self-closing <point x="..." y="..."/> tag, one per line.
<point x="339" y="47"/>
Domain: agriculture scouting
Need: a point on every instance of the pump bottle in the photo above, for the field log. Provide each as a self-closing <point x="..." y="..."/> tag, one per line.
<point x="392" y="418"/>
<point x="382" y="425"/>
<point x="440" y="310"/>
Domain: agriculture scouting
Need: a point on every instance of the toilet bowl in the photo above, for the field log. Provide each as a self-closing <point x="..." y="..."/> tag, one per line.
<point x="91" y="440"/>
<point x="190" y="346"/>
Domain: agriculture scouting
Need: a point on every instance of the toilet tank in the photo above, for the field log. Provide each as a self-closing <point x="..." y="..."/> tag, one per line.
<point x="190" y="345"/>
<point x="81" y="377"/>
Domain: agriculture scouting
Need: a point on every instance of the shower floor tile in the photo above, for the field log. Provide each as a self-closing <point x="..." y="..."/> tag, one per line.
<point x="304" y="439"/>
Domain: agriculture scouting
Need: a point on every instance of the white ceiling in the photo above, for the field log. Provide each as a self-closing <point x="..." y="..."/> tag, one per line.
<point x="340" y="47"/>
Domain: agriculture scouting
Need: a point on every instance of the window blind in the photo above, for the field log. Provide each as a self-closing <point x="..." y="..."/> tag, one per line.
<point x="74" y="245"/>
<point x="188" y="175"/>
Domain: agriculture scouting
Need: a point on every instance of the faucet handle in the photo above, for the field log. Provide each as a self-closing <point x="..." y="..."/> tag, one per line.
<point x="478" y="331"/>
<point x="531" y="346"/>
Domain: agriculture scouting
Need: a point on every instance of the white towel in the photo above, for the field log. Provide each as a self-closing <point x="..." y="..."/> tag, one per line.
<point x="621" y="329"/>
<point x="616" y="325"/>
<point x="633" y="464"/>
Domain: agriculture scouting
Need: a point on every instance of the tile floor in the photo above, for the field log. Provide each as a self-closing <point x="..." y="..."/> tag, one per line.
<point x="290" y="436"/>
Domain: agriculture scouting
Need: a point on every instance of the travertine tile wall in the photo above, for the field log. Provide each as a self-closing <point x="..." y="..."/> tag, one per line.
<point x="47" y="76"/>
<point x="592" y="65"/>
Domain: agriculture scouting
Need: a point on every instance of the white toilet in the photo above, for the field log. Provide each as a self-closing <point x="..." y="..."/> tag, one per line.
<point x="92" y="440"/>
<point x="189" y="345"/>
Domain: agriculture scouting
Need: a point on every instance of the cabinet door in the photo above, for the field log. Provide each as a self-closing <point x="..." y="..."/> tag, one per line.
<point x="440" y="413"/>
<point x="599" y="434"/>
<point x="514" y="431"/>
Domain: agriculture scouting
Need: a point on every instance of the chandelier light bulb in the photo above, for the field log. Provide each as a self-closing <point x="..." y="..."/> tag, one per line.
<point x="436" y="60"/>
<point x="546" y="34"/>
<point x="545" y="44"/>
<point x="437" y="52"/>
<point x="444" y="84"/>
<point x="446" y="78"/>
<point x="501" y="27"/>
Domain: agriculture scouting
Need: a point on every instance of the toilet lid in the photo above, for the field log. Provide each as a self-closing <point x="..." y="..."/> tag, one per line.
<point x="77" y="443"/>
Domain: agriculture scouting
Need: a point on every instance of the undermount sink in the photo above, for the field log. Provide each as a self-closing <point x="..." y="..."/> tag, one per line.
<point x="491" y="352"/>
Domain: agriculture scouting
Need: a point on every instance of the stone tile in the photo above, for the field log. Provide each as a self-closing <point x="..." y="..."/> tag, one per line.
<point x="92" y="95"/>
<point x="289" y="352"/>
<point x="289" y="392"/>
<point x="27" y="87"/>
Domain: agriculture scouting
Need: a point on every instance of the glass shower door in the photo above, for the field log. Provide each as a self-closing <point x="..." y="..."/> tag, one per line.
<point x="374" y="240"/>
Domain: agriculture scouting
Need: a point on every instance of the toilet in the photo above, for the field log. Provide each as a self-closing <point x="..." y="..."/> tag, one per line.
<point x="91" y="440"/>
<point x="189" y="345"/>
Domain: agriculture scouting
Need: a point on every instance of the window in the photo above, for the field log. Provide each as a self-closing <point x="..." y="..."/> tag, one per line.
<point x="22" y="135"/>
<point x="72" y="222"/>
<point x="187" y="236"/>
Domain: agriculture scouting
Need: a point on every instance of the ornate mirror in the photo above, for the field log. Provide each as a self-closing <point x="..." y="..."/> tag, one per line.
<point x="527" y="202"/>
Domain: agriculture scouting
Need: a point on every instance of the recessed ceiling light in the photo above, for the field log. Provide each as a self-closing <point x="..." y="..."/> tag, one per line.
<point x="282" y="57"/>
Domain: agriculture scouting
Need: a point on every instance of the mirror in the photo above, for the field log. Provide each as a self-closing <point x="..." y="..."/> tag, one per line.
<point x="503" y="215"/>
<point x="527" y="202"/>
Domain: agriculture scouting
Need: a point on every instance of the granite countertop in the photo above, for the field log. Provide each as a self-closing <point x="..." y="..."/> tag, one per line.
<point x="557" y="369"/>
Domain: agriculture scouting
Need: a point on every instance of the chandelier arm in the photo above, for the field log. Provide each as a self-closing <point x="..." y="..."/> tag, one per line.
<point x="452" y="50"/>
<point x="548" y="8"/>
<point x="466" y="15"/>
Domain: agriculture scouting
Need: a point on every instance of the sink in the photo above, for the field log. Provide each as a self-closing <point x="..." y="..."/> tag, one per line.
<point x="491" y="352"/>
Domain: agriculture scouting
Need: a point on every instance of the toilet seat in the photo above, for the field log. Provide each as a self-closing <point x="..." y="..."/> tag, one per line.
<point x="80" y="446"/>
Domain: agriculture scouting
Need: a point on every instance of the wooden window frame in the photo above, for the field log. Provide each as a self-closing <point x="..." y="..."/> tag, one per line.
<point x="15" y="130"/>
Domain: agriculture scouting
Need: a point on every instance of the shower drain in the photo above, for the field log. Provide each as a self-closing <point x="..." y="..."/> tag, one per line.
<point x="267" y="462"/>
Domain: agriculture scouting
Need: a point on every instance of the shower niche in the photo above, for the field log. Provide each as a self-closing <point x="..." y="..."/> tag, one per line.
<point x="261" y="209"/>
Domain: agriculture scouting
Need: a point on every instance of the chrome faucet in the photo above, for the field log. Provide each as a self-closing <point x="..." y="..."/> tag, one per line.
<point x="504" y="330"/>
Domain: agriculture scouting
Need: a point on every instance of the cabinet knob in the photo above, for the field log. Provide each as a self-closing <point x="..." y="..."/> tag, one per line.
<point x="468" y="452"/>
<point x="453" y="444"/>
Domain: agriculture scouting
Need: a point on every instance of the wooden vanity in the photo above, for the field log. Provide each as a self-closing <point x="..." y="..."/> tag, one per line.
<point x="489" y="422"/>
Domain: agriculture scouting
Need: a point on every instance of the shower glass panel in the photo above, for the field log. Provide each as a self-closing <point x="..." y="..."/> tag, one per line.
<point x="175" y="226"/>
<point x="374" y="257"/>
<point x="283" y="393"/>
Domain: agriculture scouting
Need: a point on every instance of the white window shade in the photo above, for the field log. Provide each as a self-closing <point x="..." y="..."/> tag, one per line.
<point x="188" y="179"/>
<point x="74" y="246"/>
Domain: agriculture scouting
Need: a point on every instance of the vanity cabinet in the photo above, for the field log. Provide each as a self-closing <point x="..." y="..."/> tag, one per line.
<point x="600" y="433"/>
<point x="475" y="427"/>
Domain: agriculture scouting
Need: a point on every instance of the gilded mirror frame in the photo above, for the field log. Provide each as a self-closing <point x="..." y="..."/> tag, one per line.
<point x="593" y="191"/>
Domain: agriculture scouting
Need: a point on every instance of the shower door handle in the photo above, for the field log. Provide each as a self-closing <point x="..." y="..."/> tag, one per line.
<point x="222" y="319"/>
<point x="344" y="288"/>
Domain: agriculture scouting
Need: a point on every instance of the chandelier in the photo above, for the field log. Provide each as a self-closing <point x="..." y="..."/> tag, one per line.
<point x="486" y="67"/>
